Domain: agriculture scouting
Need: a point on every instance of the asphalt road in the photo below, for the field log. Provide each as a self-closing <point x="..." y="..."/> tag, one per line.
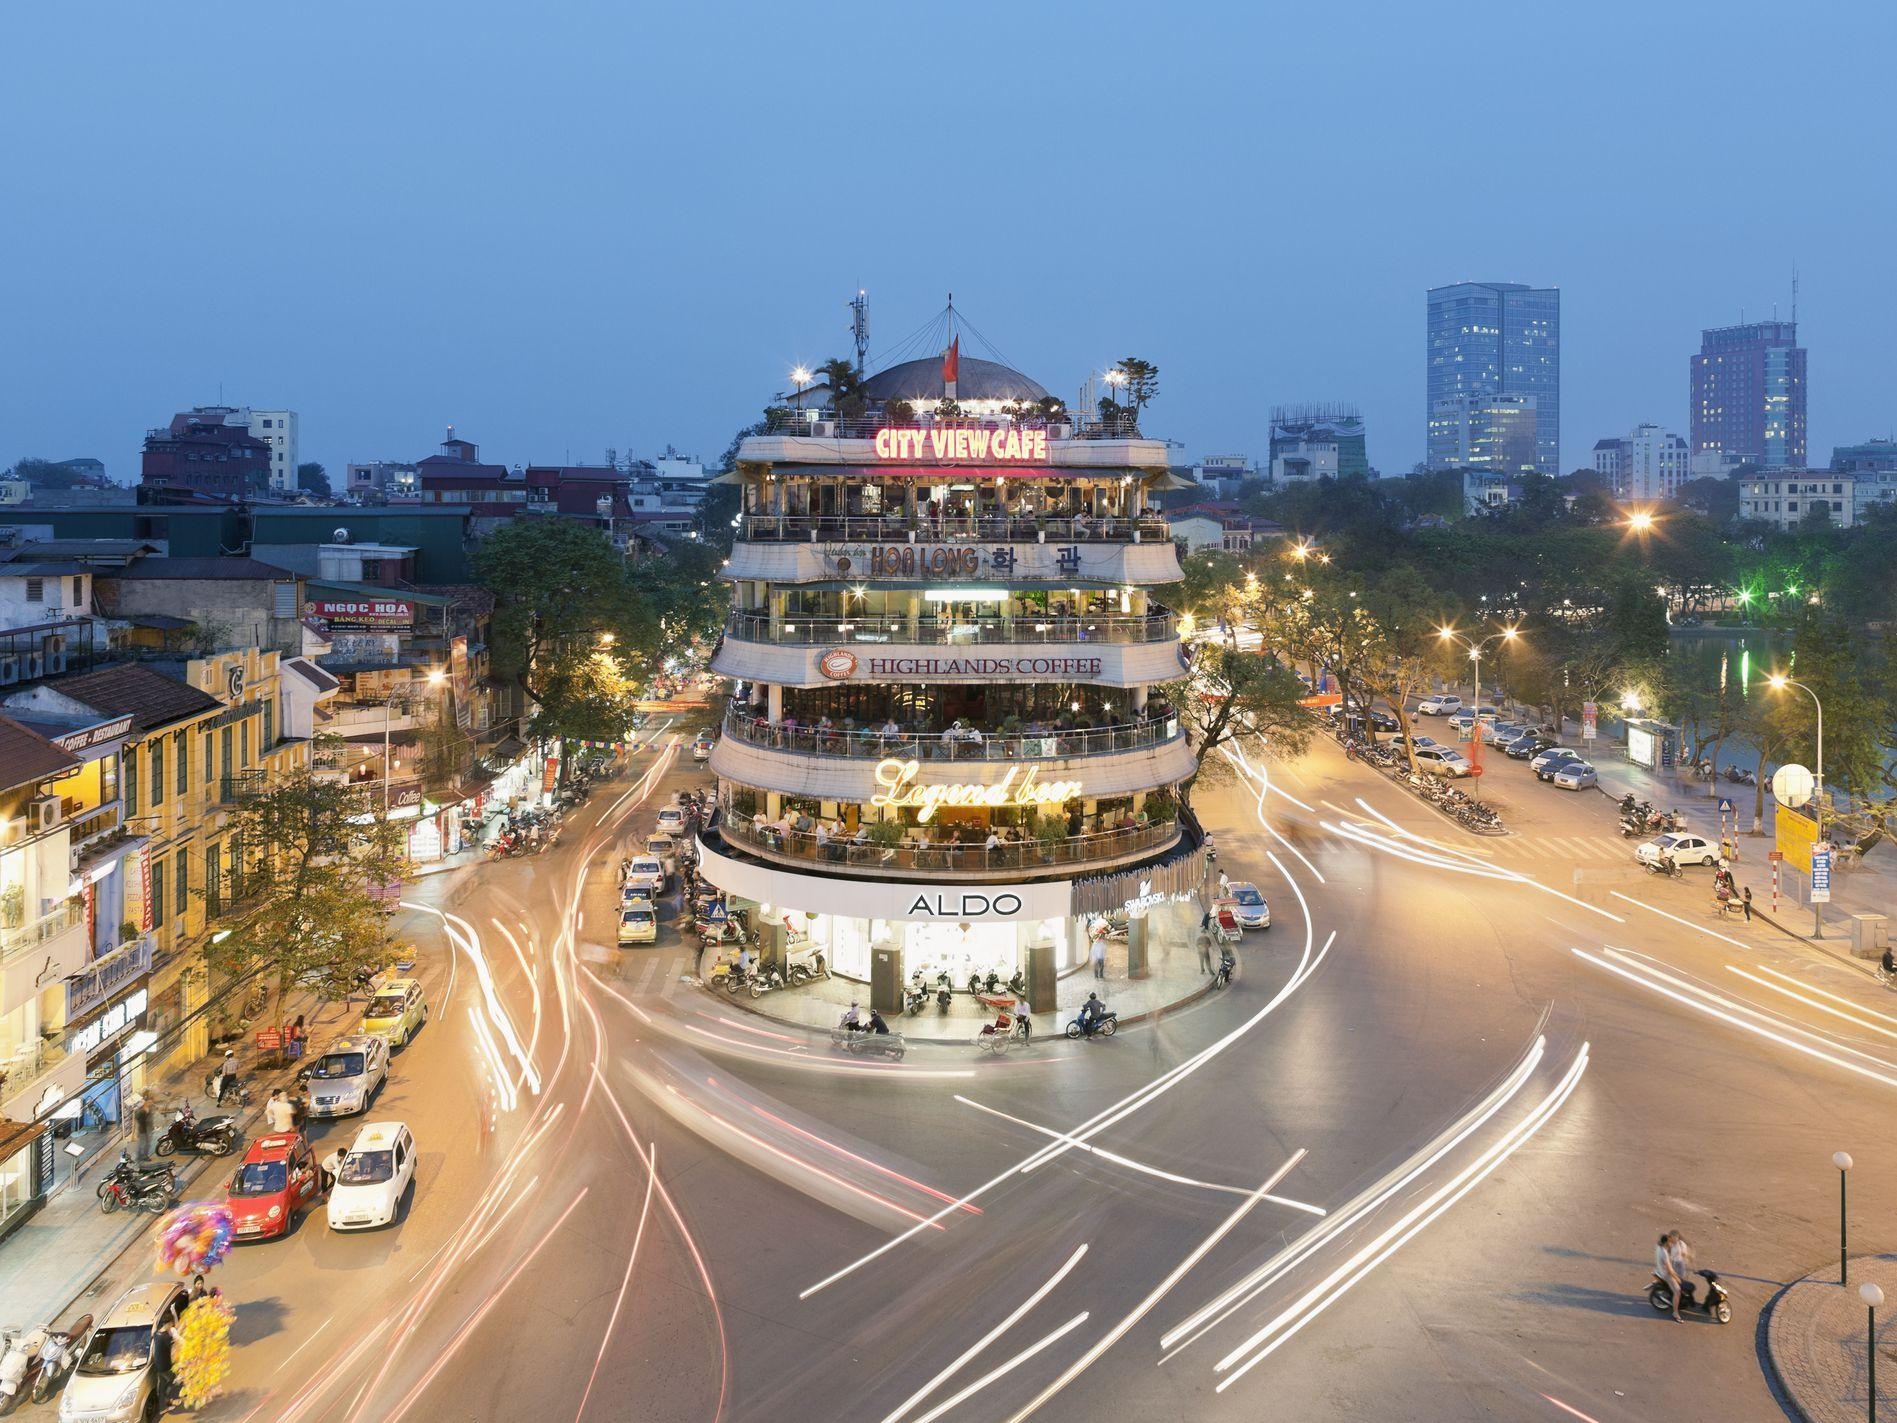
<point x="1499" y="1081"/>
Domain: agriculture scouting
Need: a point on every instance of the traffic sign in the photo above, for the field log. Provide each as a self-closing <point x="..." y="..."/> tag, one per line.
<point x="1725" y="806"/>
<point x="1821" y="873"/>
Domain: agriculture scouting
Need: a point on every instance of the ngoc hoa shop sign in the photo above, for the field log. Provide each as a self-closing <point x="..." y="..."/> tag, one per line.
<point x="1002" y="446"/>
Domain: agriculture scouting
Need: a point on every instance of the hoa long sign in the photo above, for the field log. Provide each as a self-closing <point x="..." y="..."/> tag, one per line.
<point x="1001" y="446"/>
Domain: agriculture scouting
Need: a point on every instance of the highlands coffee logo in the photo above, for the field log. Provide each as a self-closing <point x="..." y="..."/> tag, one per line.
<point x="837" y="664"/>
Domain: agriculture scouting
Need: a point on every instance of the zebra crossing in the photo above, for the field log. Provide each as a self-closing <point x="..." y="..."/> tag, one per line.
<point x="1567" y="849"/>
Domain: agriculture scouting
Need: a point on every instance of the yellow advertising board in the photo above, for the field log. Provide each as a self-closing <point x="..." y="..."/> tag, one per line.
<point x="1796" y="835"/>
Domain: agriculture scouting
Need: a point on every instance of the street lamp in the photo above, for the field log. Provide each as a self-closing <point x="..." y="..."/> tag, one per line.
<point x="1506" y="635"/>
<point x="1778" y="682"/>
<point x="1872" y="1297"/>
<point x="1640" y="521"/>
<point x="1841" y="1160"/>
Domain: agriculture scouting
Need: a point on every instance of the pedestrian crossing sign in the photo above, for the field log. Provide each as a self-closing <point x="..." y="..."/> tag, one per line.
<point x="1725" y="805"/>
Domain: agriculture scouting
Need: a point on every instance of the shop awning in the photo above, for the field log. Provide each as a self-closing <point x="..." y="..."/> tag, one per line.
<point x="17" y="1136"/>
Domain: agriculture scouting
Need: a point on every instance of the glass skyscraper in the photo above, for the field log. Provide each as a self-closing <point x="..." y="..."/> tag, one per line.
<point x="1489" y="339"/>
<point x="1748" y="390"/>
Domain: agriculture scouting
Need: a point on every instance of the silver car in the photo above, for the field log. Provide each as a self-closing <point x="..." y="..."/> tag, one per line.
<point x="126" y="1360"/>
<point x="344" y="1080"/>
<point x="1575" y="776"/>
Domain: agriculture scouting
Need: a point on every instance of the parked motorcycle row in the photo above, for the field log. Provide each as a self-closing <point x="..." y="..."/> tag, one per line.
<point x="130" y="1186"/>
<point x="1640" y="821"/>
<point x="920" y="989"/>
<point x="527" y="832"/>
<point x="34" y="1362"/>
<point x="1469" y="812"/>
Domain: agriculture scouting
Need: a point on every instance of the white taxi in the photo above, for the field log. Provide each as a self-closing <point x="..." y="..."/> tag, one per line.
<point x="378" y="1170"/>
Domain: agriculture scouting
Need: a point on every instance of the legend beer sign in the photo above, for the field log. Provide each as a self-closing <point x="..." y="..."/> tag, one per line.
<point x="1008" y="446"/>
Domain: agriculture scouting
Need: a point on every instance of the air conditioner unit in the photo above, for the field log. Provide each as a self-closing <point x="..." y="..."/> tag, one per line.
<point x="823" y="429"/>
<point x="42" y="814"/>
<point x="9" y="669"/>
<point x="33" y="665"/>
<point x="56" y="661"/>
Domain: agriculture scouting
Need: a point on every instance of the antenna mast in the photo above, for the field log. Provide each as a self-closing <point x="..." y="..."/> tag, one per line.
<point x="1794" y="294"/>
<point x="859" y="327"/>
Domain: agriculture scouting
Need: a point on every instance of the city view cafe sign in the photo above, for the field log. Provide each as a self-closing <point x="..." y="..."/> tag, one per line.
<point x="1008" y="446"/>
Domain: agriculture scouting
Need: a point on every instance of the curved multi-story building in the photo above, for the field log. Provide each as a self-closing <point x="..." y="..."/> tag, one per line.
<point x="948" y="742"/>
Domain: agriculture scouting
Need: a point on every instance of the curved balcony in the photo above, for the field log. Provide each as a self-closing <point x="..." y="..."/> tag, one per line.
<point x="1021" y="631"/>
<point x="985" y="528"/>
<point x="1021" y="859"/>
<point x="943" y="561"/>
<point x="951" y="744"/>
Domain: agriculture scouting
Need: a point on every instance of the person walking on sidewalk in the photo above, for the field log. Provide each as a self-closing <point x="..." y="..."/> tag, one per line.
<point x="224" y="1078"/>
<point x="141" y="1125"/>
<point x="1745" y="903"/>
<point x="1205" y="952"/>
<point x="1100" y="955"/>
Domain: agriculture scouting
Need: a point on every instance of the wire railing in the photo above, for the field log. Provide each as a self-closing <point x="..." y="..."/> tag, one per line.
<point x="1158" y="626"/>
<point x="981" y="528"/>
<point x="952" y="744"/>
<point x="1027" y="856"/>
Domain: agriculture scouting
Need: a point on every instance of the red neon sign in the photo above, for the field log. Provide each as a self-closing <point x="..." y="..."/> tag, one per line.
<point x="1009" y="444"/>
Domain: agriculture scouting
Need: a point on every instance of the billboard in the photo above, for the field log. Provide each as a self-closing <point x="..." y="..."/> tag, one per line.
<point x="363" y="612"/>
<point x="1796" y="835"/>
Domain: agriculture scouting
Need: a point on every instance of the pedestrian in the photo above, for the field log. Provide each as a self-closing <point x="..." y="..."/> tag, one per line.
<point x="300" y="1109"/>
<point x="278" y="1112"/>
<point x="141" y="1124"/>
<point x="1745" y="903"/>
<point x="297" y="1034"/>
<point x="1225" y="884"/>
<point x="1205" y="952"/>
<point x="1100" y="955"/>
<point x="330" y="1167"/>
<point x="224" y="1079"/>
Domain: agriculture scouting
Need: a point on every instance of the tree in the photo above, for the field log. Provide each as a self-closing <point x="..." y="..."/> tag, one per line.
<point x="1231" y="696"/>
<point x="1142" y="383"/>
<point x="571" y="627"/>
<point x="305" y="854"/>
<point x="44" y="474"/>
<point x="313" y="478"/>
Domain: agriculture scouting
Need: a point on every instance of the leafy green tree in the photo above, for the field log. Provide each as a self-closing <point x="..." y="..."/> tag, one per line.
<point x="44" y="473"/>
<point x="1142" y="384"/>
<point x="1231" y="697"/>
<point x="571" y="626"/>
<point x="312" y="478"/>
<point x="300" y="907"/>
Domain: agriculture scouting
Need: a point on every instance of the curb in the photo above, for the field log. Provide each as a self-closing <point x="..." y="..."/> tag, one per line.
<point x="1768" y="1359"/>
<point x="750" y="1005"/>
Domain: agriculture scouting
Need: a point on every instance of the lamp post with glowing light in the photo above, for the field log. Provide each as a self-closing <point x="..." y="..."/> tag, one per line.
<point x="1475" y="646"/>
<point x="1116" y="378"/>
<point x="1778" y="682"/>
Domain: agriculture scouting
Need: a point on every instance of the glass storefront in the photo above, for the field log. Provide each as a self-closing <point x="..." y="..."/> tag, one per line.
<point x="929" y="946"/>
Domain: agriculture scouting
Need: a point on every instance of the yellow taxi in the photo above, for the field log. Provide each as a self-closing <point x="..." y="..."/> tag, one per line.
<point x="397" y="1011"/>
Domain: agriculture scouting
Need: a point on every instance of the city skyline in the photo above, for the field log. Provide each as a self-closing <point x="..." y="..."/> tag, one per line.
<point x="647" y="311"/>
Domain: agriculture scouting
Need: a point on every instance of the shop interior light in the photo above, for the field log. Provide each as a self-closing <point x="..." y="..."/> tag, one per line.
<point x="965" y="595"/>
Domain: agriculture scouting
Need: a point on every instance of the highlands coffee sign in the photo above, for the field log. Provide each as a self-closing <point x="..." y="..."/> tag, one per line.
<point x="839" y="664"/>
<point x="996" y="446"/>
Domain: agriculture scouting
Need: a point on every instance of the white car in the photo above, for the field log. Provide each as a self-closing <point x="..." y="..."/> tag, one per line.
<point x="1439" y="705"/>
<point x="122" y="1364"/>
<point x="1248" y="905"/>
<point x="647" y="873"/>
<point x="1423" y="743"/>
<point x="1544" y="759"/>
<point x="671" y="821"/>
<point x="1442" y="761"/>
<point x="1575" y="776"/>
<point x="703" y="745"/>
<point x="377" y="1172"/>
<point x="665" y="849"/>
<point x="1684" y="850"/>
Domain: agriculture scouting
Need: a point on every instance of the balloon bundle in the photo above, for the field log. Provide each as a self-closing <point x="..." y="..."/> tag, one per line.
<point x="195" y="1237"/>
<point x="202" y="1358"/>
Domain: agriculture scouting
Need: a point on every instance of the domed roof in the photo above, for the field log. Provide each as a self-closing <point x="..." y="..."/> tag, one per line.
<point x="975" y="380"/>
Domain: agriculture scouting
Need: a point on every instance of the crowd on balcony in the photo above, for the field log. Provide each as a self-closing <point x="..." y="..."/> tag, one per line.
<point x="972" y="724"/>
<point x="994" y="507"/>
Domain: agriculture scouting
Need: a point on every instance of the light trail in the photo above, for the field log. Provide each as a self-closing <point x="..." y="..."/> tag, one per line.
<point x="1159" y="1292"/>
<point x="1252" y="775"/>
<point x="844" y="1152"/>
<point x="1835" y="998"/>
<point x="1698" y="928"/>
<point x="1131" y="1164"/>
<point x="1235" y="1297"/>
<point x="1794" y="994"/>
<point x="1714" y="1007"/>
<point x="1321" y="1297"/>
<point x="1013" y="1318"/>
<point x="1001" y="1370"/>
<point x="625" y="1282"/>
<point x="1132" y="1102"/>
<point x="1570" y="1411"/>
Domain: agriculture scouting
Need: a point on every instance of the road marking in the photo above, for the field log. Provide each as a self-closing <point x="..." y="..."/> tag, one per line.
<point x="646" y="976"/>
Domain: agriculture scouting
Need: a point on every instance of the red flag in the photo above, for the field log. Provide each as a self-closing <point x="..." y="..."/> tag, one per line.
<point x="951" y="362"/>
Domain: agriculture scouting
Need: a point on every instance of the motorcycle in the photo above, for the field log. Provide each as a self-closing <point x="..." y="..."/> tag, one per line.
<point x="943" y="992"/>
<point x="151" y="1188"/>
<point x="1222" y="975"/>
<point x="1740" y="776"/>
<point x="1664" y="865"/>
<point x="1103" y="1026"/>
<point x="1716" y="1305"/>
<point x="914" y="995"/>
<point x="764" y="980"/>
<point x="1668" y="822"/>
<point x="214" y="1136"/>
<point x="36" y="1361"/>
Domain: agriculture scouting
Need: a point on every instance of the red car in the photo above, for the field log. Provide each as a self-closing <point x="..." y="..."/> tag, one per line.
<point x="277" y="1180"/>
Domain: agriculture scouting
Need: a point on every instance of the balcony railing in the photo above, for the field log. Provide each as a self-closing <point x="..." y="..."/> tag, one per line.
<point x="1029" y="857"/>
<point x="828" y="528"/>
<point x="95" y="823"/>
<point x="1159" y="626"/>
<point x="26" y="938"/>
<point x="741" y="725"/>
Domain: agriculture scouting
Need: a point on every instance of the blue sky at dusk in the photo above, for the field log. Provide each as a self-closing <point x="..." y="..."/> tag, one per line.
<point x="566" y="226"/>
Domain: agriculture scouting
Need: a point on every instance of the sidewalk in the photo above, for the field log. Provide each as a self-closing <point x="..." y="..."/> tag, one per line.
<point x="1816" y="1337"/>
<point x="52" y="1260"/>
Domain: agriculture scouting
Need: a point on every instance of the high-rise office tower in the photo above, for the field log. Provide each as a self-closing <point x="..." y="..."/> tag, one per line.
<point x="1749" y="393"/>
<point x="1489" y="339"/>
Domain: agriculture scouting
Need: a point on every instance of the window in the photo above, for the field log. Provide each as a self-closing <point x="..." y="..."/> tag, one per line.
<point x="269" y="724"/>
<point x="36" y="590"/>
<point x="131" y="782"/>
<point x="158" y="771"/>
<point x="157" y="893"/>
<point x="180" y="879"/>
<point x="225" y="738"/>
<point x="181" y="748"/>
<point x="214" y="881"/>
<point x="78" y="591"/>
